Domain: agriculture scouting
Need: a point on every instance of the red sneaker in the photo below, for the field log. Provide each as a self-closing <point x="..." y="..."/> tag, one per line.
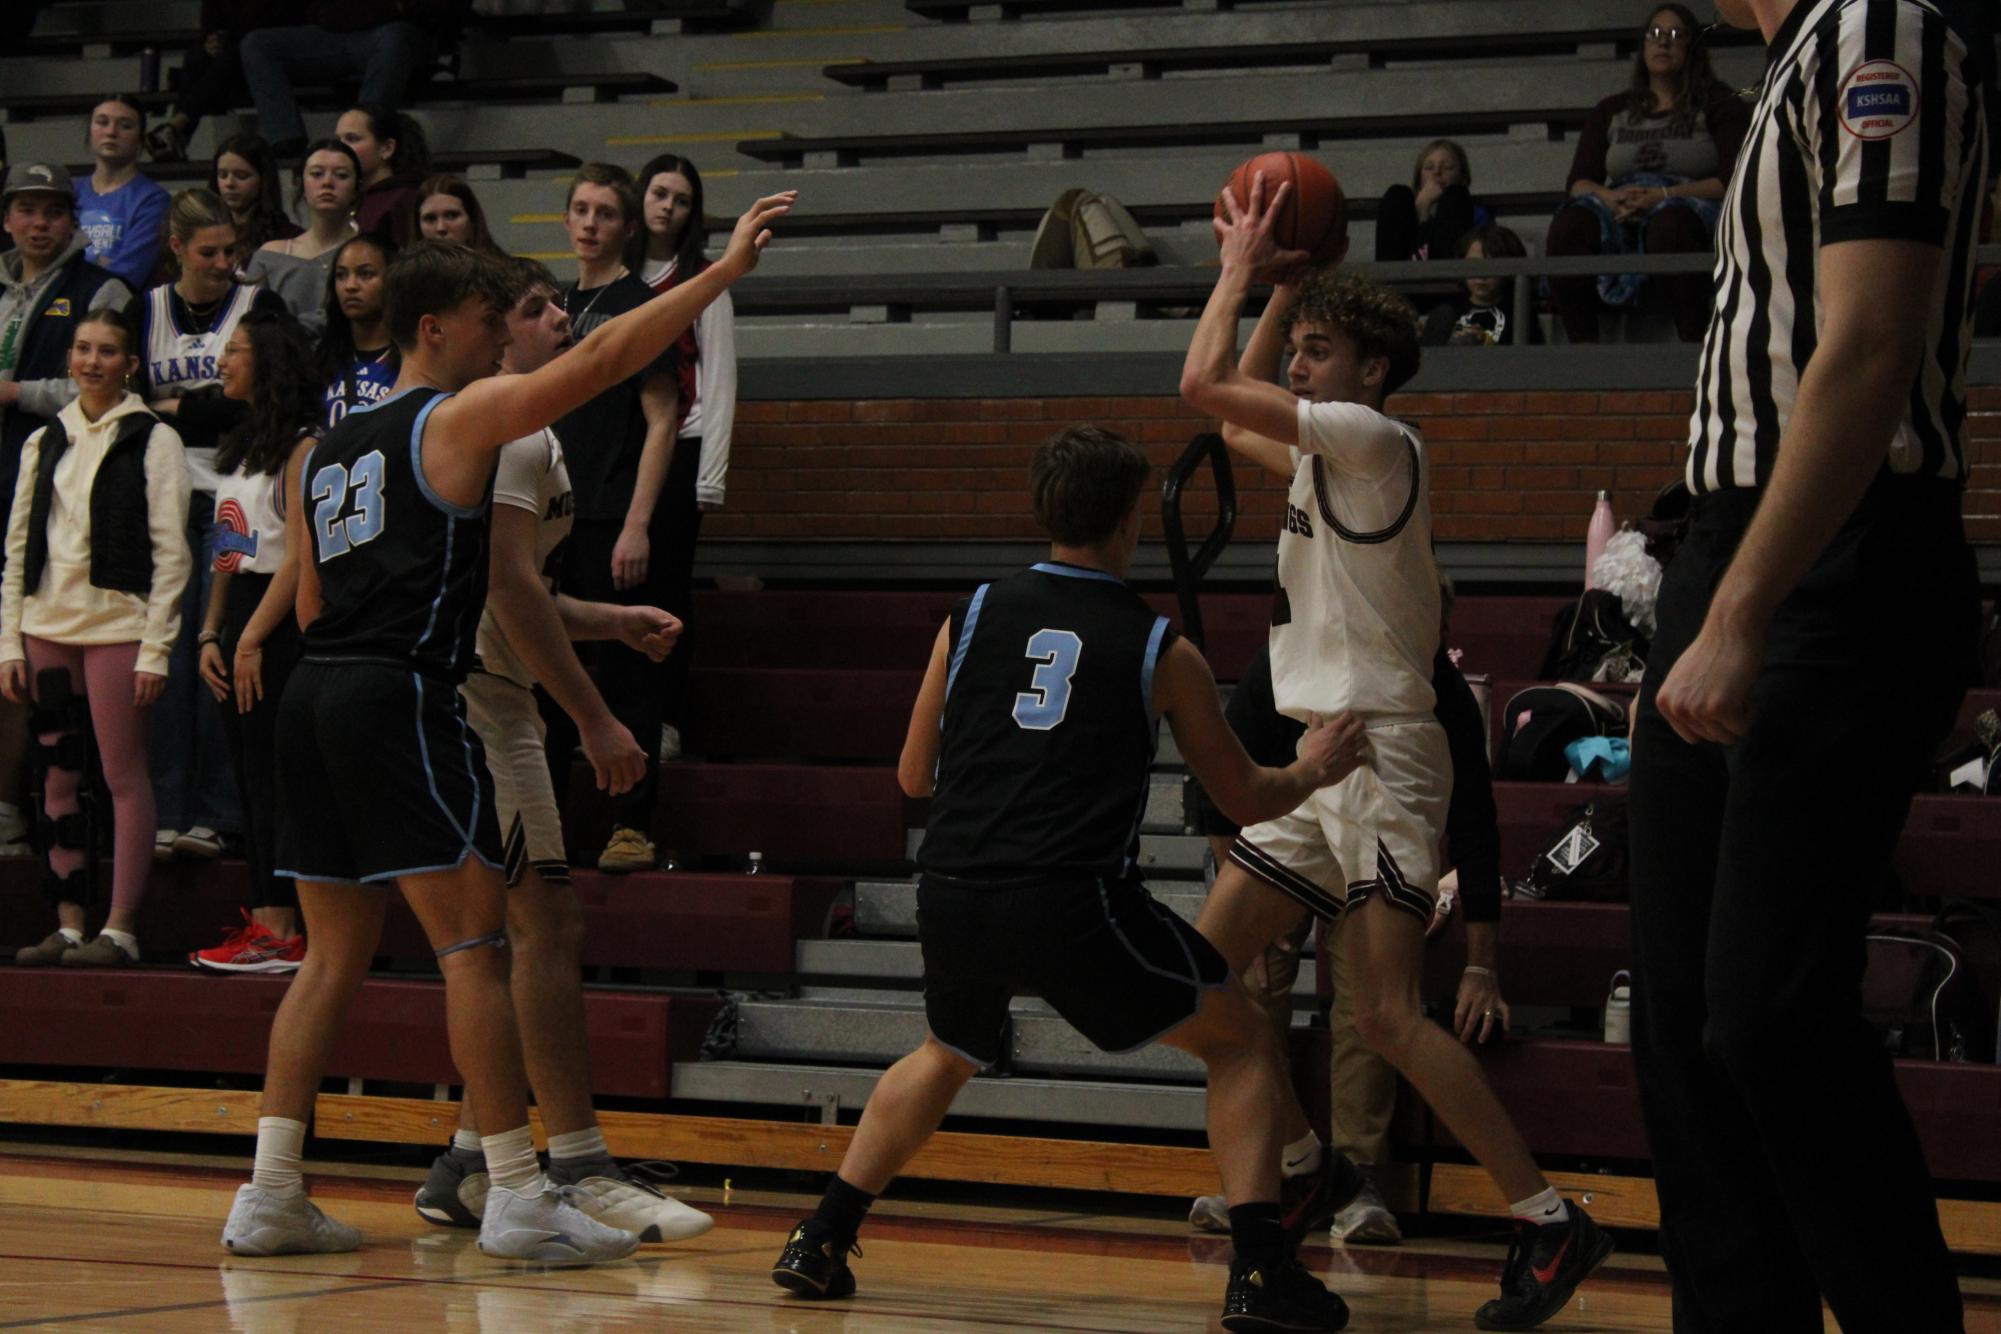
<point x="252" y="948"/>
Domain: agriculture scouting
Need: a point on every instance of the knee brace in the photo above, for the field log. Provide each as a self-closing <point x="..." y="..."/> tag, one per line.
<point x="71" y="831"/>
<point x="497" y="939"/>
<point x="59" y="709"/>
<point x="72" y="888"/>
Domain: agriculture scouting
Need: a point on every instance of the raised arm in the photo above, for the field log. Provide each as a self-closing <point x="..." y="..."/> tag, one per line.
<point x="1212" y="381"/>
<point x="917" y="767"/>
<point x="1247" y="792"/>
<point x="488" y="413"/>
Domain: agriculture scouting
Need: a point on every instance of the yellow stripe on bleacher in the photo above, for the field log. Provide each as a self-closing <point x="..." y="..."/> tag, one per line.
<point x="536" y="217"/>
<point x="845" y="30"/>
<point x="761" y="99"/>
<point x="705" y="137"/>
<point x="817" y="62"/>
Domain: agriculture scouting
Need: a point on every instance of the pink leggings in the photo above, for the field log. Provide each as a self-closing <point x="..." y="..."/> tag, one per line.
<point x="103" y="674"/>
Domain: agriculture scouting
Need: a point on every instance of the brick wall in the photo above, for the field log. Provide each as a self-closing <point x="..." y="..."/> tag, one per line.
<point x="1506" y="467"/>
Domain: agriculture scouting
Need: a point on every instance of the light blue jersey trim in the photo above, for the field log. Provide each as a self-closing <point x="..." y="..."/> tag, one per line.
<point x="417" y="466"/>
<point x="464" y="831"/>
<point x="1074" y="572"/>
<point x="965" y="636"/>
<point x="381" y="402"/>
<point x="1150" y="661"/>
<point x="444" y="586"/>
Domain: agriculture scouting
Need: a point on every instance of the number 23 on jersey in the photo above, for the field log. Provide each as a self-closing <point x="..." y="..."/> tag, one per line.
<point x="1043" y="705"/>
<point x="338" y="526"/>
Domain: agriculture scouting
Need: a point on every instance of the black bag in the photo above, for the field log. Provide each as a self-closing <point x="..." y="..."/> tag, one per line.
<point x="1587" y="862"/>
<point x="1539" y="722"/>
<point x="1984" y="746"/>
<point x="1918" y="994"/>
<point x="1593" y="641"/>
<point x="1974" y="926"/>
<point x="1667" y="522"/>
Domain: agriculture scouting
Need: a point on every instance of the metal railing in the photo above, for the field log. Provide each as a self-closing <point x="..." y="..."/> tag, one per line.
<point x="1189" y="567"/>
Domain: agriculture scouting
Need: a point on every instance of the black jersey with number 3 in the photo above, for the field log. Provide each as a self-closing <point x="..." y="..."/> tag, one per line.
<point x="1048" y="730"/>
<point x="402" y="570"/>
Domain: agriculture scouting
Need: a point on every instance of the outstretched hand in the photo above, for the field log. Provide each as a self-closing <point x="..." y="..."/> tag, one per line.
<point x="753" y="231"/>
<point x="1244" y="234"/>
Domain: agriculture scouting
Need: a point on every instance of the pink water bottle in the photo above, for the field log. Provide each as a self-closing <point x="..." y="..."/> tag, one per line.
<point x="1603" y="525"/>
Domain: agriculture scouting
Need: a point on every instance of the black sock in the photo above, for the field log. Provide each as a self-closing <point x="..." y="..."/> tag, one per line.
<point x="1257" y="1231"/>
<point x="842" y="1209"/>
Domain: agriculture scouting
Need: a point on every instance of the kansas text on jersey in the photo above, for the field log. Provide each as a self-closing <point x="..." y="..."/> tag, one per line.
<point x="1869" y="126"/>
<point x="1048" y="730"/>
<point x="402" y="571"/>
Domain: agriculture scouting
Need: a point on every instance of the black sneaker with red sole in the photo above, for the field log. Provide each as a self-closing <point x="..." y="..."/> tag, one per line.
<point x="1545" y="1265"/>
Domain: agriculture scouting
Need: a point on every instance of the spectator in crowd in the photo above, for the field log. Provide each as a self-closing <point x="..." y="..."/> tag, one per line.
<point x="183" y="327"/>
<point x="266" y="365"/>
<point x="448" y="210"/>
<point x="122" y="213"/>
<point x="1425" y="219"/>
<point x="357" y="360"/>
<point x="46" y="287"/>
<point x="96" y="565"/>
<point x="1647" y="177"/>
<point x="667" y="250"/>
<point x="383" y="42"/>
<point x="245" y="177"/>
<point x="1484" y="316"/>
<point x="210" y="79"/>
<point x="618" y="447"/>
<point x="394" y="160"/>
<point x="328" y="186"/>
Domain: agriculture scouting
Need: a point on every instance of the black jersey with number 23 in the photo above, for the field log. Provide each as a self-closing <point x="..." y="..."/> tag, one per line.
<point x="402" y="570"/>
<point x="1048" y="729"/>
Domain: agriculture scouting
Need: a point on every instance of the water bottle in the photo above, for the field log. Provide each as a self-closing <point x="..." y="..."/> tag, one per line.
<point x="756" y="866"/>
<point x="1603" y="526"/>
<point x="1619" y="1009"/>
<point x="149" y="70"/>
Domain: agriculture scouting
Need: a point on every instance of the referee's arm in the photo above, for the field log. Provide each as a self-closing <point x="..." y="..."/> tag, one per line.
<point x="1850" y="400"/>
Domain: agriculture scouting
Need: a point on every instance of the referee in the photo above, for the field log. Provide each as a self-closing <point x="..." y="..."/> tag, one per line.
<point x="1817" y="630"/>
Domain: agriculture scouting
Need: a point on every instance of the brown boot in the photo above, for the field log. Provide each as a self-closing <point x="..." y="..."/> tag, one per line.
<point x="103" y="952"/>
<point x="46" y="954"/>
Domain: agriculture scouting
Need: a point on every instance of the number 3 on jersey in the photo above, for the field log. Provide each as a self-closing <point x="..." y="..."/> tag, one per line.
<point x="332" y="485"/>
<point x="1054" y="653"/>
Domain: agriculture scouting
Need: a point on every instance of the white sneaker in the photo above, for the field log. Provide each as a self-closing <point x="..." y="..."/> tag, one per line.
<point x="1210" y="1214"/>
<point x="548" y="1229"/>
<point x="163" y="844"/>
<point x="1366" y="1221"/>
<point x="637" y="1207"/>
<point x="200" y="842"/>
<point x="261" y="1223"/>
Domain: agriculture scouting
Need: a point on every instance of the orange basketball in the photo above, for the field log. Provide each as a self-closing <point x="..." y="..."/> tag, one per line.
<point x="1312" y="217"/>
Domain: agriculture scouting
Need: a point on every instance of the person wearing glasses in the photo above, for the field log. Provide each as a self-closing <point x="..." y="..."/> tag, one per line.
<point x="1647" y="178"/>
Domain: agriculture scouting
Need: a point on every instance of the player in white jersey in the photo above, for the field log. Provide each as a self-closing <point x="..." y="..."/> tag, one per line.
<point x="1355" y="627"/>
<point x="524" y="637"/>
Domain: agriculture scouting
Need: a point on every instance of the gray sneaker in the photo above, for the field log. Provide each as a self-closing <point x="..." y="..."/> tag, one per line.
<point x="548" y="1229"/>
<point x="454" y="1194"/>
<point x="48" y="953"/>
<point x="261" y="1223"/>
<point x="1210" y="1214"/>
<point x="1366" y="1220"/>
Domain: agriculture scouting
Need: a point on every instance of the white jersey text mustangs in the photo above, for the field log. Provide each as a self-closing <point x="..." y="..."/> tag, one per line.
<point x="1355" y="620"/>
<point x="530" y="475"/>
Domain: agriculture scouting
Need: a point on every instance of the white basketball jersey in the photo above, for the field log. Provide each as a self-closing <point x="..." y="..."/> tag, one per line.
<point x="179" y="359"/>
<point x="249" y="523"/>
<point x="530" y="475"/>
<point x="1355" y="622"/>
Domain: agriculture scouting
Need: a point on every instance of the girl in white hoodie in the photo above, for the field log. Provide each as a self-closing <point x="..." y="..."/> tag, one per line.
<point x="97" y="560"/>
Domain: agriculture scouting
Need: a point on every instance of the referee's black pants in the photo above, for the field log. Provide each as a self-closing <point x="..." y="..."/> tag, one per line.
<point x="1787" y="1165"/>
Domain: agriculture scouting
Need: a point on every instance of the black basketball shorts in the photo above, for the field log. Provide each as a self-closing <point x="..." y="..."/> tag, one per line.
<point x="1122" y="969"/>
<point x="379" y="775"/>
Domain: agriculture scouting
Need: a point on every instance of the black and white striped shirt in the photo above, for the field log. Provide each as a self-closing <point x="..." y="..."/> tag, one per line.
<point x="1869" y="126"/>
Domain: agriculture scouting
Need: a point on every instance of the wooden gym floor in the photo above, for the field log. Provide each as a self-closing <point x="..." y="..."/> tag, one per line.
<point x="127" y="1241"/>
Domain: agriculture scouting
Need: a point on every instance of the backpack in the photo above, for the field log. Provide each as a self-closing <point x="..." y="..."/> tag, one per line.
<point x="1918" y="994"/>
<point x="1587" y="862"/>
<point x="1593" y="641"/>
<point x="1975" y="927"/>
<point x="1086" y="230"/>
<point x="1539" y="722"/>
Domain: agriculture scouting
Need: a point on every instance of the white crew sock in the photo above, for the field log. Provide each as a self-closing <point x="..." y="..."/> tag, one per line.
<point x="71" y="934"/>
<point x="281" y="1148"/>
<point x="124" y="940"/>
<point x="510" y="1161"/>
<point x="1543" y="1209"/>
<point x="1302" y="1156"/>
<point x="579" y="1145"/>
<point x="466" y="1142"/>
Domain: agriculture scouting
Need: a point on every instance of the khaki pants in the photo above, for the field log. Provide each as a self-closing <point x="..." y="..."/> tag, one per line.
<point x="1364" y="1084"/>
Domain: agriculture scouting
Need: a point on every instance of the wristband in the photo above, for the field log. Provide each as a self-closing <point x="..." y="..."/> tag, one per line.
<point x="1476" y="968"/>
<point x="208" y="637"/>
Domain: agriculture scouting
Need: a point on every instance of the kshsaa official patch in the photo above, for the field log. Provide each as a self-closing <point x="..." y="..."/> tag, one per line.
<point x="1878" y="99"/>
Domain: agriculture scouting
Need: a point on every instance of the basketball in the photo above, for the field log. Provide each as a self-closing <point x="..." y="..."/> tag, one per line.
<point x="1312" y="217"/>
